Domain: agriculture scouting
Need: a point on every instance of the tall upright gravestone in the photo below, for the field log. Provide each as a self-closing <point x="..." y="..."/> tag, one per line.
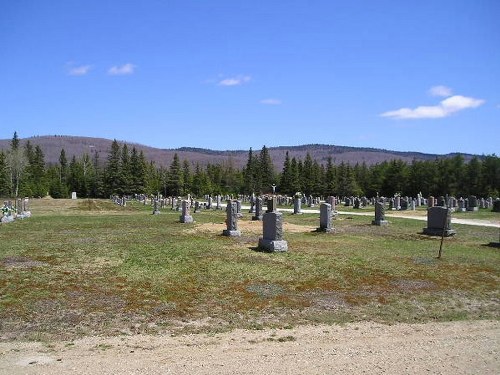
<point x="231" y="220"/>
<point x="186" y="214"/>
<point x="439" y="222"/>
<point x="325" y="218"/>
<point x="272" y="239"/>
<point x="379" y="214"/>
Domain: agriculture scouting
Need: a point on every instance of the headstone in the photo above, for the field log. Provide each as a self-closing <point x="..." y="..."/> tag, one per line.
<point x="272" y="239"/>
<point x="461" y="205"/>
<point x="252" y="204"/>
<point x="472" y="206"/>
<point x="347" y="202"/>
<point x="331" y="201"/>
<point x="231" y="220"/>
<point x="209" y="206"/>
<point x="217" y="202"/>
<point x="357" y="203"/>
<point x="258" y="209"/>
<point x="430" y="201"/>
<point x="441" y="202"/>
<point x="73" y="195"/>
<point x="186" y="214"/>
<point x="238" y="209"/>
<point x="297" y="205"/>
<point x="496" y="205"/>
<point x="439" y="222"/>
<point x="271" y="204"/>
<point x="397" y="202"/>
<point x="325" y="218"/>
<point x="156" y="211"/>
<point x="379" y="214"/>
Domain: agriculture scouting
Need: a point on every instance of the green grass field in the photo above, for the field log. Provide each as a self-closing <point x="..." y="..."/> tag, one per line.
<point x="89" y="267"/>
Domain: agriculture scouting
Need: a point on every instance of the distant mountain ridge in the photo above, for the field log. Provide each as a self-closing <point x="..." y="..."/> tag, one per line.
<point x="77" y="146"/>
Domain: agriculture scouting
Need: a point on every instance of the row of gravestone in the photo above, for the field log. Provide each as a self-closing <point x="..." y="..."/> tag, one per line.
<point x="11" y="211"/>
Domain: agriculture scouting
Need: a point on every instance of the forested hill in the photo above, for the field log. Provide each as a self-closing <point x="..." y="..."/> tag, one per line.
<point x="77" y="146"/>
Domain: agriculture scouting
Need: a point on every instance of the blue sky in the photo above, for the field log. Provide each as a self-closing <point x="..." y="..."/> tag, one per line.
<point x="228" y="74"/>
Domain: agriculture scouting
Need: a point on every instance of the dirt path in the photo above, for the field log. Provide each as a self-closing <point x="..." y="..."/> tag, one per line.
<point x="432" y="348"/>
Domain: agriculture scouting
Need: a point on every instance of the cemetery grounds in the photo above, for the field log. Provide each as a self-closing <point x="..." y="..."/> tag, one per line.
<point x="89" y="268"/>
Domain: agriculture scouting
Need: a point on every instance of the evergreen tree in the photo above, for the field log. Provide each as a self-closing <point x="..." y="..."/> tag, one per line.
<point x="307" y="175"/>
<point x="4" y="176"/>
<point x="490" y="171"/>
<point x="174" y="178"/>
<point x="137" y="172"/>
<point x="125" y="172"/>
<point x="16" y="162"/>
<point x="266" y="170"/>
<point x="38" y="173"/>
<point x="330" y="177"/>
<point x="63" y="167"/>
<point x="285" y="186"/>
<point x="186" y="177"/>
<point x="113" y="173"/>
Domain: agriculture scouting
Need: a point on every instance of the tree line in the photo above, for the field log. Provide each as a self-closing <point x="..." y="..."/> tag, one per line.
<point x="24" y="172"/>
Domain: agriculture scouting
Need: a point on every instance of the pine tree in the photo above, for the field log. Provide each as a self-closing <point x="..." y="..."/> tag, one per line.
<point x="174" y="177"/>
<point x="330" y="176"/>
<point x="138" y="172"/>
<point x="186" y="177"/>
<point x="112" y="180"/>
<point x="266" y="170"/>
<point x="4" y="176"/>
<point x="285" y="186"/>
<point x="16" y="163"/>
<point x="125" y="172"/>
<point x="63" y="167"/>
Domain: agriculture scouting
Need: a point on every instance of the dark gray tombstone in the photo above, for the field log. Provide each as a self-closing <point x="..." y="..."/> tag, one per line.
<point x="297" y="205"/>
<point x="156" y="211"/>
<point x="272" y="239"/>
<point x="271" y="204"/>
<point x="258" y="209"/>
<point x="439" y="222"/>
<point x="347" y="202"/>
<point x="252" y="204"/>
<point x="231" y="220"/>
<point x="472" y="206"/>
<point x="496" y="205"/>
<point x="238" y="207"/>
<point x="186" y="215"/>
<point x="325" y="218"/>
<point x="357" y="203"/>
<point x="379" y="214"/>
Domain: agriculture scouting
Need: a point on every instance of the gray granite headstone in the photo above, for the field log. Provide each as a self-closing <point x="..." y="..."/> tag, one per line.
<point x="272" y="239"/>
<point x="379" y="214"/>
<point x="186" y="214"/>
<point x="297" y="205"/>
<point x="231" y="220"/>
<point x="439" y="222"/>
<point x="258" y="209"/>
<point x="325" y="218"/>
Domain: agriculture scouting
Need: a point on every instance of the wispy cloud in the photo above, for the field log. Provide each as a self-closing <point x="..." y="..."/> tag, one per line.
<point x="79" y="70"/>
<point x="234" y="81"/>
<point x="121" y="70"/>
<point x="271" y="101"/>
<point x="442" y="91"/>
<point x="445" y="108"/>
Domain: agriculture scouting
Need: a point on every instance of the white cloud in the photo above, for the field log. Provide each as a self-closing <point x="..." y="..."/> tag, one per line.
<point x="445" y="108"/>
<point x="79" y="70"/>
<point x="234" y="81"/>
<point x="121" y="70"/>
<point x="440" y="91"/>
<point x="271" y="101"/>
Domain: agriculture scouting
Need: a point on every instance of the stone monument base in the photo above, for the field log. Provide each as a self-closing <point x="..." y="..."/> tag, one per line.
<point x="186" y="219"/>
<point x="231" y="233"/>
<point x="156" y="212"/>
<point x="257" y="218"/>
<point x="380" y="222"/>
<point x="439" y="232"/>
<point x="273" y="245"/>
<point x="325" y="230"/>
<point x="473" y="209"/>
